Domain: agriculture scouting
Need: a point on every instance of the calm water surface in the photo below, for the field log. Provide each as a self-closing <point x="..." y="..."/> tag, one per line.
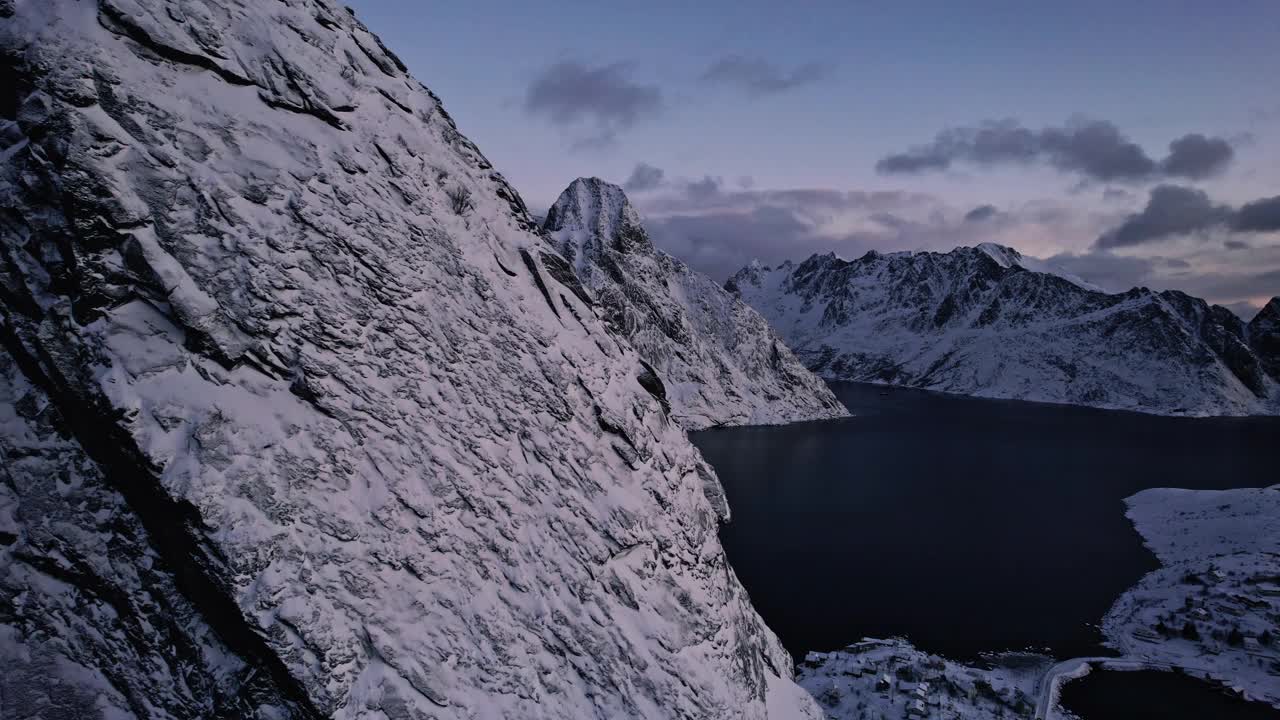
<point x="1155" y="696"/>
<point x="966" y="525"/>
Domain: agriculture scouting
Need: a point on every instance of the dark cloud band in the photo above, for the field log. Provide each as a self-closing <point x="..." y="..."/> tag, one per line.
<point x="1174" y="210"/>
<point x="1095" y="149"/>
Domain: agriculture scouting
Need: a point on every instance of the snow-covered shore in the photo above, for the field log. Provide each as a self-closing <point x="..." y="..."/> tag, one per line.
<point x="891" y="678"/>
<point x="1213" y="607"/>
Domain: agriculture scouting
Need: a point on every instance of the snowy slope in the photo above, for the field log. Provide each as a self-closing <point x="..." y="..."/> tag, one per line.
<point x="301" y="418"/>
<point x="720" y="362"/>
<point x="989" y="321"/>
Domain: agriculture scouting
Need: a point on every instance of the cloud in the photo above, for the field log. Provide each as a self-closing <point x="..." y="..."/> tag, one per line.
<point x="643" y="178"/>
<point x="1237" y="283"/>
<point x="1197" y="157"/>
<point x="718" y="228"/>
<point x="710" y="193"/>
<point x="756" y="76"/>
<point x="980" y="213"/>
<point x="704" y="189"/>
<point x="1095" y="149"/>
<point x="722" y="242"/>
<point x="1171" y="210"/>
<point x="1258" y="216"/>
<point x="1116" y="195"/>
<point x="1112" y="272"/>
<point x="1177" y="210"/>
<point x="604" y="100"/>
<point x="917" y="160"/>
<point x="1257" y="284"/>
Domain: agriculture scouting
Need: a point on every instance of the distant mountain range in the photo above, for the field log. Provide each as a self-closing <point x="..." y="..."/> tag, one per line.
<point x="989" y="321"/>
<point x="719" y="361"/>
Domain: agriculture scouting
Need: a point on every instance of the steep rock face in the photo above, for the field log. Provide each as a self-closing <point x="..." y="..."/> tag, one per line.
<point x="988" y="321"/>
<point x="1264" y="336"/>
<point x="89" y="615"/>
<point x="720" y="362"/>
<point x="302" y="418"/>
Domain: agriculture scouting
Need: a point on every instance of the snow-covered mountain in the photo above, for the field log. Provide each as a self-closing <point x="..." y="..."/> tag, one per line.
<point x="989" y="321"/>
<point x="301" y="415"/>
<point x="720" y="362"/>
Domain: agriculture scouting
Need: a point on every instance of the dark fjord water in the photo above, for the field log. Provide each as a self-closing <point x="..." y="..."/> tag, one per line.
<point x="1151" y="695"/>
<point x="966" y="525"/>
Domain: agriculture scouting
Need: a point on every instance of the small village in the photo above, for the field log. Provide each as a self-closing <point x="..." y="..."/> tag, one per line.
<point x="1213" y="608"/>
<point x="1219" y="620"/>
<point x="887" y="679"/>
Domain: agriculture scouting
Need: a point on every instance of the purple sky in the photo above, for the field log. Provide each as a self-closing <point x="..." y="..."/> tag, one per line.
<point x="1138" y="143"/>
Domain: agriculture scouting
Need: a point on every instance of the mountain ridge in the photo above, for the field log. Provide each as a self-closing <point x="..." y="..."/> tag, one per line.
<point x="989" y="321"/>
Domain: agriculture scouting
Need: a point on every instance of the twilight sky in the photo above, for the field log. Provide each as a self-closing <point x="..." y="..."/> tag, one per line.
<point x="1135" y="143"/>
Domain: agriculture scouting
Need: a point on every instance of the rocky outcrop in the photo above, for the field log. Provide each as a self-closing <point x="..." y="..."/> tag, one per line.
<point x="720" y="362"/>
<point x="1264" y="336"/>
<point x="303" y="418"/>
<point x="91" y="614"/>
<point x="990" y="321"/>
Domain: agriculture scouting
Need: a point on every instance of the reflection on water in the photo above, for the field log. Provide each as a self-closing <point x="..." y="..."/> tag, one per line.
<point x="964" y="524"/>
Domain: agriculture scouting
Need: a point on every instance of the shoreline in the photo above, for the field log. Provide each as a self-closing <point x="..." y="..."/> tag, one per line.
<point x="1218" y="568"/>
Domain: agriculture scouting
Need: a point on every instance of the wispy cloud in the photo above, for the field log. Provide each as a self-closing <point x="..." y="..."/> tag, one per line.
<point x="756" y="76"/>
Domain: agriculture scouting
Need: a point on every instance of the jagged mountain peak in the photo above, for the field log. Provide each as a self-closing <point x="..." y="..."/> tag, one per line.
<point x="719" y="361"/>
<point x="591" y="213"/>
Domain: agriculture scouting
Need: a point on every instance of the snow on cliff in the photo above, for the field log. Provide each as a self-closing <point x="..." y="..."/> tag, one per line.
<point x="301" y="415"/>
<point x="720" y="362"/>
<point x="989" y="321"/>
